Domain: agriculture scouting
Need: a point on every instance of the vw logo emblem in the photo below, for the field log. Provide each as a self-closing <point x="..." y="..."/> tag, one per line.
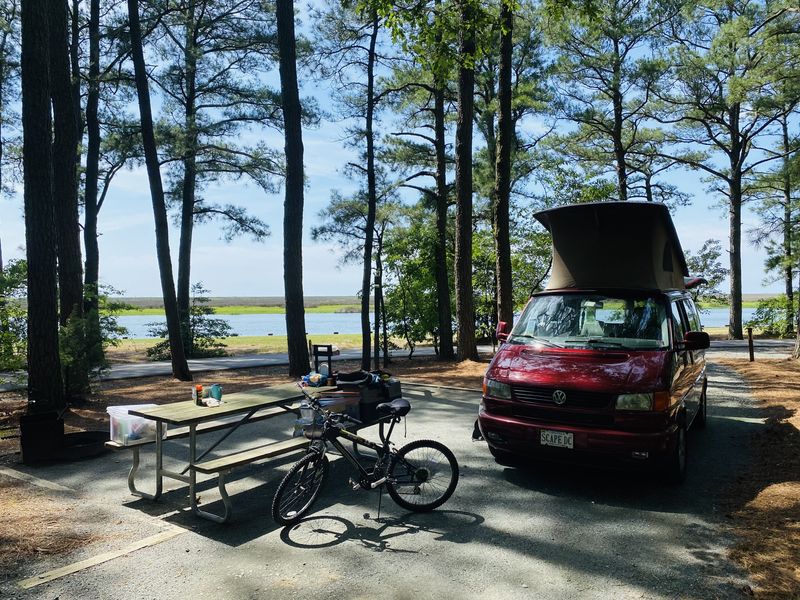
<point x="559" y="397"/>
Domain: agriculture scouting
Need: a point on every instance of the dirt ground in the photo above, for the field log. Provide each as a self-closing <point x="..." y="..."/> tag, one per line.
<point x="766" y="502"/>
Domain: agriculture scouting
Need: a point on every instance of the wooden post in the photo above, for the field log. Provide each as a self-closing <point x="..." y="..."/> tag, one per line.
<point x="750" y="342"/>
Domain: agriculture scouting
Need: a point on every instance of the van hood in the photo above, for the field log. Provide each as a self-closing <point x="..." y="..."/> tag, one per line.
<point x="613" y="372"/>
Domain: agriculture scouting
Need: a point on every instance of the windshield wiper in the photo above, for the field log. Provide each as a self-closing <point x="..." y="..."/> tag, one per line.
<point x="542" y="341"/>
<point x="596" y="342"/>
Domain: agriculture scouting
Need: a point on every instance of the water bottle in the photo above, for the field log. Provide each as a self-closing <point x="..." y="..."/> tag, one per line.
<point x="306" y="413"/>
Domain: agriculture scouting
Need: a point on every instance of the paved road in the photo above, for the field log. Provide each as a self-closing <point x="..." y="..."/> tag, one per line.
<point x="533" y="531"/>
<point x="722" y="349"/>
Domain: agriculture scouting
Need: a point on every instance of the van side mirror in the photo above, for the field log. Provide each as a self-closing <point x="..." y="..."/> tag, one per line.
<point x="502" y="331"/>
<point x="696" y="340"/>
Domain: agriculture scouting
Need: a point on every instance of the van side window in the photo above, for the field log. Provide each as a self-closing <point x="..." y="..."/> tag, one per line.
<point x="692" y="315"/>
<point x="678" y="321"/>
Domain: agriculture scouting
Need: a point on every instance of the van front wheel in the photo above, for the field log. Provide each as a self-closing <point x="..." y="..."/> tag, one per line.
<point x="675" y="466"/>
<point x="702" y="411"/>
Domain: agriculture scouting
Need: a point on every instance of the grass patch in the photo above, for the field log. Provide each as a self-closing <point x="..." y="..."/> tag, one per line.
<point x="767" y="514"/>
<point x="133" y="350"/>
<point x="249" y="310"/>
<point x="726" y="305"/>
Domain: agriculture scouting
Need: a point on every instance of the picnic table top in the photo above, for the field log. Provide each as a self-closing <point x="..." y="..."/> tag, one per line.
<point x="187" y="413"/>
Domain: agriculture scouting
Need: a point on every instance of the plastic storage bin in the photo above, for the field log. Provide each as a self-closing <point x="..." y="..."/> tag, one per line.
<point x="127" y="429"/>
<point x="348" y="405"/>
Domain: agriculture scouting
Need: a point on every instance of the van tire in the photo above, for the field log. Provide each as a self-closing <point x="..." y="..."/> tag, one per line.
<point x="675" y="465"/>
<point x="700" y="417"/>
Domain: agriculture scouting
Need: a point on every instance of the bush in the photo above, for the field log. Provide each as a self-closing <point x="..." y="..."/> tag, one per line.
<point x="770" y="318"/>
<point x="202" y="339"/>
<point x="13" y="316"/>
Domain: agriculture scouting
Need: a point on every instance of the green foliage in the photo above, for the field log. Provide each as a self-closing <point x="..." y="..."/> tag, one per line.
<point x="204" y="332"/>
<point x="212" y="57"/>
<point x="484" y="282"/>
<point x="13" y="322"/>
<point x="77" y="347"/>
<point x="770" y="317"/>
<point x="430" y="31"/>
<point x="410" y="288"/>
<point x="705" y="263"/>
<point x="606" y="81"/>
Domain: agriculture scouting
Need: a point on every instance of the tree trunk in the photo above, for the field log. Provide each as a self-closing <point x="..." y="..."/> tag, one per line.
<point x="619" y="148"/>
<point x="444" y="309"/>
<point x="180" y="370"/>
<point x="7" y="346"/>
<point x="90" y="204"/>
<point x="735" y="249"/>
<point x="788" y="254"/>
<point x="386" y="358"/>
<point x="293" y="203"/>
<point x="44" y="364"/>
<point x="648" y="186"/>
<point x="369" y="231"/>
<point x="505" y="140"/>
<point x="465" y="312"/>
<point x="189" y="180"/>
<point x="796" y="352"/>
<point x="65" y="197"/>
<point x="376" y="341"/>
<point x="74" y="56"/>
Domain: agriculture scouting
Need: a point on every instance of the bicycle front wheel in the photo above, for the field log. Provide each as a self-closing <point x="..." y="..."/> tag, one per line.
<point x="298" y="490"/>
<point x="422" y="475"/>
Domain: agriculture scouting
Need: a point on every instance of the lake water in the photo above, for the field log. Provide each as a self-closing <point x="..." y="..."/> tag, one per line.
<point x="316" y="324"/>
<point x="329" y="323"/>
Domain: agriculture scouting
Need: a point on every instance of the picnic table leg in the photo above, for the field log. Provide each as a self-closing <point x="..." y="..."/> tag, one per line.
<point x="159" y="470"/>
<point x="193" y="485"/>
<point x="226" y="503"/>
<point x="192" y="472"/>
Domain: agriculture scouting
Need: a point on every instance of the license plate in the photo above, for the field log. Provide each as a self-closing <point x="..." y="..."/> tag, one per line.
<point x="559" y="439"/>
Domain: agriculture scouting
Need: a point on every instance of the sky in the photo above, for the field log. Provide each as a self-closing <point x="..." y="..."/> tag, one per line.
<point x="247" y="268"/>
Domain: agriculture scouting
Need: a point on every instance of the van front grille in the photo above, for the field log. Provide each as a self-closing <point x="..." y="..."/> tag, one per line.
<point x="579" y="399"/>
<point x="563" y="417"/>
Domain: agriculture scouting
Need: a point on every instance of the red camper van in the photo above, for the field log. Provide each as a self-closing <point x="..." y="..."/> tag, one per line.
<point x="608" y="361"/>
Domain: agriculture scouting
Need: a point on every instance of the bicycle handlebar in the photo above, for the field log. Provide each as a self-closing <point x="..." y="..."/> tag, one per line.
<point x="334" y="417"/>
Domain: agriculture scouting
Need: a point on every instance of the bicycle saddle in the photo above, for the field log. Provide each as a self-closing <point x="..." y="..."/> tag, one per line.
<point x="396" y="408"/>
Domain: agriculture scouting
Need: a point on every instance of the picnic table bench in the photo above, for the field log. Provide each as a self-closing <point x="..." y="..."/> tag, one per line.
<point x="189" y="420"/>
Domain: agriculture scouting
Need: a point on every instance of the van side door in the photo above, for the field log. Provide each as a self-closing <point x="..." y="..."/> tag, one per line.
<point x="697" y="357"/>
<point x="683" y="375"/>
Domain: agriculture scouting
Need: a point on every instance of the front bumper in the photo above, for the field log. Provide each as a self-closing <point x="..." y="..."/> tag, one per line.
<point x="523" y="437"/>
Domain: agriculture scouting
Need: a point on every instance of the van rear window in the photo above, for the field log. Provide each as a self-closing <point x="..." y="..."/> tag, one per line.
<point x="576" y="320"/>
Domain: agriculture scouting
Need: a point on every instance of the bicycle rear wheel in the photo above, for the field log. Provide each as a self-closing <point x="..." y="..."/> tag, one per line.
<point x="298" y="490"/>
<point x="422" y="475"/>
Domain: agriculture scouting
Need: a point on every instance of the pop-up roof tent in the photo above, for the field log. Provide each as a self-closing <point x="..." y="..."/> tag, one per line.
<point x="614" y="245"/>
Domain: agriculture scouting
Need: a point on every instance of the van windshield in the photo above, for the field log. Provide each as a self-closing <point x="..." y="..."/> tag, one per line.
<point x="590" y="320"/>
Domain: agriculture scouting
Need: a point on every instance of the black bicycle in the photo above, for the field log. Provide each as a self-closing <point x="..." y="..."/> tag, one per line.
<point x="419" y="477"/>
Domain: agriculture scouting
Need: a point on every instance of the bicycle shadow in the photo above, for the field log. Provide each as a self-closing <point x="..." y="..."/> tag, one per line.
<point x="325" y="531"/>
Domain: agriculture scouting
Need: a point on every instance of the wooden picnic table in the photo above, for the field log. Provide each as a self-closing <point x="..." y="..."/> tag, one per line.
<point x="236" y="410"/>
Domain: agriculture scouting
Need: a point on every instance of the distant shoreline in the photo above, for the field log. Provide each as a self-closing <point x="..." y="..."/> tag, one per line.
<point x="249" y="301"/>
<point x="277" y="304"/>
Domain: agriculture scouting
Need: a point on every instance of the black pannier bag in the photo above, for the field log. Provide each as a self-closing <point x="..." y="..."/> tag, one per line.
<point x="373" y="387"/>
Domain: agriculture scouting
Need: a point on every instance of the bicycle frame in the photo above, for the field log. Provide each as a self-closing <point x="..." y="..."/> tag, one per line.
<point x="332" y="435"/>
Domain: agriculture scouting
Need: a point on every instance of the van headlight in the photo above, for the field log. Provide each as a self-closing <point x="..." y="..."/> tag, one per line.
<point x="635" y="401"/>
<point x="496" y="389"/>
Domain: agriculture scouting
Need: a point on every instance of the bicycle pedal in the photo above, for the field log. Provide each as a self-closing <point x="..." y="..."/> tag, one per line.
<point x="354" y="484"/>
<point x="379" y="482"/>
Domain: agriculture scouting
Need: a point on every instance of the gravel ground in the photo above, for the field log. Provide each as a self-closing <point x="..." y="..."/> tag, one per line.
<point x="535" y="531"/>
